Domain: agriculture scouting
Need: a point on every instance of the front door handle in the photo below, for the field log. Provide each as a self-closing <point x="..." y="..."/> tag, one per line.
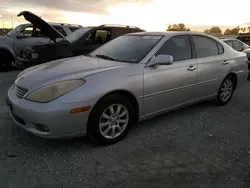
<point x="191" y="68"/>
<point x="225" y="62"/>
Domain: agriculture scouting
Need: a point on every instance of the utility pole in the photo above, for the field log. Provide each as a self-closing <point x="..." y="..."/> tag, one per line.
<point x="1" y="16"/>
<point x="12" y="22"/>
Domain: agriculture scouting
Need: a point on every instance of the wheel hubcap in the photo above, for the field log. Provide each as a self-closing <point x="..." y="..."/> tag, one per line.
<point x="114" y="121"/>
<point x="226" y="90"/>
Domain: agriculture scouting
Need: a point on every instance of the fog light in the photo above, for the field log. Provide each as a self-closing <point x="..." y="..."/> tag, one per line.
<point x="41" y="127"/>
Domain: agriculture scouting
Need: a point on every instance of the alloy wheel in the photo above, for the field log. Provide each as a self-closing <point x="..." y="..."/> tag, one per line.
<point x="114" y="120"/>
<point x="226" y="90"/>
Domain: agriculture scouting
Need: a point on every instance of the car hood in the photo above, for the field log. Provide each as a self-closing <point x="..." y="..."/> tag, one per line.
<point x="64" y="69"/>
<point x="49" y="30"/>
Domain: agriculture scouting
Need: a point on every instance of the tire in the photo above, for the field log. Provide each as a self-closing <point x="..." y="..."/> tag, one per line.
<point x="120" y="125"/>
<point x="226" y="90"/>
<point x="5" y="64"/>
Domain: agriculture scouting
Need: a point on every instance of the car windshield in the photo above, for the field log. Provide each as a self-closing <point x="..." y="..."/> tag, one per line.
<point x="16" y="29"/>
<point x="128" y="48"/>
<point x="74" y="36"/>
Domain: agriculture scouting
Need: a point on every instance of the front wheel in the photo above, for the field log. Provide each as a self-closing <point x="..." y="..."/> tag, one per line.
<point x="226" y="90"/>
<point x="111" y="119"/>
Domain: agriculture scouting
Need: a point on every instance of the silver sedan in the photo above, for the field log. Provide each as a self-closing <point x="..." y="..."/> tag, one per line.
<point x="131" y="78"/>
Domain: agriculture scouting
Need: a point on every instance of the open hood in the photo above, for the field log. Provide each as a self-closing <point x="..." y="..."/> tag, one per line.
<point x="47" y="29"/>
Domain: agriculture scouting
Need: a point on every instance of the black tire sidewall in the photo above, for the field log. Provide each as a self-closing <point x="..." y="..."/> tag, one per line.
<point x="219" y="100"/>
<point x="5" y="63"/>
<point x="93" y="124"/>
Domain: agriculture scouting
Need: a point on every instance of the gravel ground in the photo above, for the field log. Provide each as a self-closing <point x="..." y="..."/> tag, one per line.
<point x="199" y="146"/>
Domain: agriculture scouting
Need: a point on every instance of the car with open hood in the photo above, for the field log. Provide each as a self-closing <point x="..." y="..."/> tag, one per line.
<point x="133" y="77"/>
<point x="77" y="43"/>
<point x="37" y="32"/>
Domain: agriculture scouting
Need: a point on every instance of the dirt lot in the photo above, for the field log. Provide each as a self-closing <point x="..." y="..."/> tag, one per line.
<point x="199" y="146"/>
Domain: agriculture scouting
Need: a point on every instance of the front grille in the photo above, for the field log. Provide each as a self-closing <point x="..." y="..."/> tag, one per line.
<point x="20" y="92"/>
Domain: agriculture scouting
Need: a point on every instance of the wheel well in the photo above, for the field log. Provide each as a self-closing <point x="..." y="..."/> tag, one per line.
<point x="8" y="53"/>
<point x="127" y="95"/>
<point x="234" y="76"/>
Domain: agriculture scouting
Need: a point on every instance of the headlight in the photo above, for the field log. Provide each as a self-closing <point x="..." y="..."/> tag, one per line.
<point x="34" y="55"/>
<point x="50" y="92"/>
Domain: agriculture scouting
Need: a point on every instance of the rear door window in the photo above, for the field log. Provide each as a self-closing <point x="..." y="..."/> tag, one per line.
<point x="238" y="45"/>
<point x="206" y="47"/>
<point x="230" y="43"/>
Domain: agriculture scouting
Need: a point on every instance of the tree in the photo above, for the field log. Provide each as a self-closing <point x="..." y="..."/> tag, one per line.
<point x="234" y="31"/>
<point x="178" y="27"/>
<point x="215" y="29"/>
<point x="243" y="29"/>
<point x="207" y="31"/>
<point x="227" y="32"/>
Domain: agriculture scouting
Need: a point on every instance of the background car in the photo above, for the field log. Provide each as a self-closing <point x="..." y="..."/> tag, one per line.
<point x="244" y="37"/>
<point x="26" y="35"/>
<point x="236" y="44"/>
<point x="239" y="46"/>
<point x="77" y="43"/>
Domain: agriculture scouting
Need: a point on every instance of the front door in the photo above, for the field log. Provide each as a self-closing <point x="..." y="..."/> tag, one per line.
<point x="27" y="37"/>
<point x="167" y="86"/>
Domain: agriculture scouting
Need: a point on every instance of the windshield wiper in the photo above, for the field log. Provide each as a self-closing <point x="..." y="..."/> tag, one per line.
<point x="105" y="57"/>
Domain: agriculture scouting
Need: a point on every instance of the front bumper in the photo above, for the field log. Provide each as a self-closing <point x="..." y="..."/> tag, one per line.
<point x="48" y="120"/>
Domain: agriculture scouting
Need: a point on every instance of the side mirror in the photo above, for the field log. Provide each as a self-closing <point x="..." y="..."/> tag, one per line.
<point x="163" y="60"/>
<point x="88" y="41"/>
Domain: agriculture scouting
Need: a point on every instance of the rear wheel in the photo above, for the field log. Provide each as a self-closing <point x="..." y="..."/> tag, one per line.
<point x="5" y="63"/>
<point x="111" y="119"/>
<point x="226" y="90"/>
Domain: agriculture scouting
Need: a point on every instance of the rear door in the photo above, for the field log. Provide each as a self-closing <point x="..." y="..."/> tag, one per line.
<point x="213" y="65"/>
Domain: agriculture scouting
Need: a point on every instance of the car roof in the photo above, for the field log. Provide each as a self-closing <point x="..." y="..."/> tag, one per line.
<point x="53" y="24"/>
<point x="166" y="33"/>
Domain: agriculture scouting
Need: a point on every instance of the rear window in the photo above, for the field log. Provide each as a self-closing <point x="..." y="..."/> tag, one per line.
<point x="60" y="29"/>
<point x="72" y="29"/>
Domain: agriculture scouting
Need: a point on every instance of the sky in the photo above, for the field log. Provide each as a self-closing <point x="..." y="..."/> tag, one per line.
<point x="152" y="15"/>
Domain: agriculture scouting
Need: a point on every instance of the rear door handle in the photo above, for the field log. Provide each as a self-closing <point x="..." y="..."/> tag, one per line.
<point x="191" y="68"/>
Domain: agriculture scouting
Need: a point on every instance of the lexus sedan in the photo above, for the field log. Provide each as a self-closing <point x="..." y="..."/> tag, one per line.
<point x="131" y="78"/>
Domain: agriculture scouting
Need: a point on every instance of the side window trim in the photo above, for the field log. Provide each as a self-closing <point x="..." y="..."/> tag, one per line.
<point x="217" y="43"/>
<point x="193" y="49"/>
